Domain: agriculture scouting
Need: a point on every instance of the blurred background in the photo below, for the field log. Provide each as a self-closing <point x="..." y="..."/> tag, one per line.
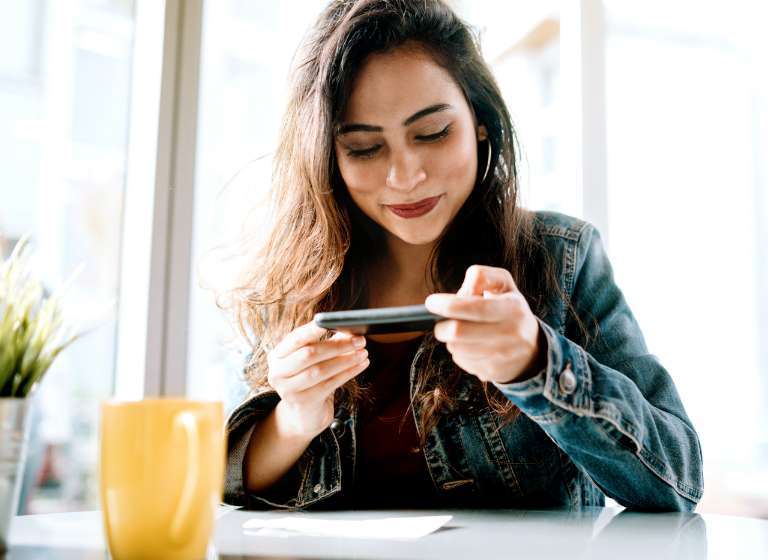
<point x="136" y="135"/>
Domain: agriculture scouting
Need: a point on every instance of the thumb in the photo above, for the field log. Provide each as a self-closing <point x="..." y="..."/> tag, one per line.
<point x="481" y="279"/>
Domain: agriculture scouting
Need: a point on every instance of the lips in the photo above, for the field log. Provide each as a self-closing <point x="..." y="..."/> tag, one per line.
<point x="415" y="209"/>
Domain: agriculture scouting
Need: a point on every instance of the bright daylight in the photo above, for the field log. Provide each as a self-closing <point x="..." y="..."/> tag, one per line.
<point x="383" y="279"/>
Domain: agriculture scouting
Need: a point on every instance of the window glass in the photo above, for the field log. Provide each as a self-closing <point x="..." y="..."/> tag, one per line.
<point x="687" y="116"/>
<point x="521" y="42"/>
<point x="64" y="86"/>
<point x="246" y="52"/>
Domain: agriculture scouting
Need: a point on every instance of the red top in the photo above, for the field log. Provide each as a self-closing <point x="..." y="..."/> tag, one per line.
<point x="390" y="469"/>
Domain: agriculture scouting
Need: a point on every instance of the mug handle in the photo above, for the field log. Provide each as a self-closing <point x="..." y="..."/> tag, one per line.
<point x="187" y="422"/>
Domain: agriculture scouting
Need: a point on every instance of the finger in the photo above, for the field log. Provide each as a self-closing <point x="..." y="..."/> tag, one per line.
<point x="319" y="352"/>
<point x="479" y="278"/>
<point x="467" y="350"/>
<point x="300" y="336"/>
<point x="341" y="334"/>
<point x="319" y="373"/>
<point x="467" y="332"/>
<point x="473" y="308"/>
<point x="327" y="387"/>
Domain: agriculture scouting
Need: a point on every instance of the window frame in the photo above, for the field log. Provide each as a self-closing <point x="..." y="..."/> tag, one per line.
<point x="156" y="255"/>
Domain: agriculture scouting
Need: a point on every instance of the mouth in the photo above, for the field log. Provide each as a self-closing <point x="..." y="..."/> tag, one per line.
<point x="415" y="209"/>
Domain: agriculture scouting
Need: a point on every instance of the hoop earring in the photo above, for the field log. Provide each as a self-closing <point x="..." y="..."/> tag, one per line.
<point x="488" y="163"/>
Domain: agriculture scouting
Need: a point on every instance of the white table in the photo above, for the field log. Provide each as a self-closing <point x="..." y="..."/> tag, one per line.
<point x="607" y="533"/>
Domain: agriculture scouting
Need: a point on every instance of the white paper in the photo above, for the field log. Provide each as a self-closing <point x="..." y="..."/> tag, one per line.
<point x="385" y="528"/>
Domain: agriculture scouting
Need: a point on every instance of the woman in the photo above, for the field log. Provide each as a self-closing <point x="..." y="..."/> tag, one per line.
<point x="395" y="184"/>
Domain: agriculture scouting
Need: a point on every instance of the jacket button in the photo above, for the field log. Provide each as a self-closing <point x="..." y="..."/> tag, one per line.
<point x="337" y="426"/>
<point x="567" y="380"/>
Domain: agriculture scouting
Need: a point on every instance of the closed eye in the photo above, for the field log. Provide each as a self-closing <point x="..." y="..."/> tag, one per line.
<point x="436" y="136"/>
<point x="364" y="153"/>
<point x="368" y="153"/>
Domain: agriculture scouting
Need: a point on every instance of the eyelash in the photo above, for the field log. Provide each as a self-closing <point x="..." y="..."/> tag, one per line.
<point x="364" y="154"/>
<point x="436" y="136"/>
<point x="368" y="153"/>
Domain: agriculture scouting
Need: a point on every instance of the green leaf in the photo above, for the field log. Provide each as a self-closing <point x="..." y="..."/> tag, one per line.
<point x="31" y="325"/>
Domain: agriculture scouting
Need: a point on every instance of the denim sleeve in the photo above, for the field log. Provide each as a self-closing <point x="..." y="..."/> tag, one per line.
<point x="240" y="426"/>
<point x="608" y="403"/>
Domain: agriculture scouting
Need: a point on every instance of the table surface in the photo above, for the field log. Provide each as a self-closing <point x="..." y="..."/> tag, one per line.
<point x="608" y="533"/>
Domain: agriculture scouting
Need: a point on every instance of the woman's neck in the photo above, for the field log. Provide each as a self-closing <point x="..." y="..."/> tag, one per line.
<point x="400" y="277"/>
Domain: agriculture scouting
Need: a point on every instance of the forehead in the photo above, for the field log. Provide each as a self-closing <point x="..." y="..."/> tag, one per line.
<point x="389" y="87"/>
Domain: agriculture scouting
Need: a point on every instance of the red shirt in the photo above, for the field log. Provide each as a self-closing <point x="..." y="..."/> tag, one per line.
<point x="390" y="469"/>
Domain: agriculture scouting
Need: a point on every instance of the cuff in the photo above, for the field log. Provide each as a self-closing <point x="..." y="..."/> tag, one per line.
<point x="565" y="385"/>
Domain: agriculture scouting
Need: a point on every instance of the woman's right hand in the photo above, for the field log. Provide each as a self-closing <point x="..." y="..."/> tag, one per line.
<point x="306" y="372"/>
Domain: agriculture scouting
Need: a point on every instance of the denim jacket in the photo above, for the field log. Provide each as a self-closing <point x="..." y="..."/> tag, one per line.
<point x="602" y="419"/>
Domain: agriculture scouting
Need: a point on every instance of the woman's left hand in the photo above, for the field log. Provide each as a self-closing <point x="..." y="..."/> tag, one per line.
<point x="491" y="331"/>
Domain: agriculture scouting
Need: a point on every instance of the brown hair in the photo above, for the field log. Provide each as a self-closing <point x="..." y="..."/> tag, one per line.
<point x="315" y="256"/>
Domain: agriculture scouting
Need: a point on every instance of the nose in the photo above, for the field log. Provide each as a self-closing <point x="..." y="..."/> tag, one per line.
<point x="405" y="171"/>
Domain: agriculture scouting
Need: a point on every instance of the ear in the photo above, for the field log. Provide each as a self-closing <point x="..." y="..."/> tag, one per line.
<point x="482" y="133"/>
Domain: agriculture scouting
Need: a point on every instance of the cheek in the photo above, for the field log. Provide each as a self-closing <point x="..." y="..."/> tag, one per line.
<point x="360" y="179"/>
<point x="456" y="165"/>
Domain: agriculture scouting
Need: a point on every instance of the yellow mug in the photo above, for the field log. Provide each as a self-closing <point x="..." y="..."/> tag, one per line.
<point x="161" y="476"/>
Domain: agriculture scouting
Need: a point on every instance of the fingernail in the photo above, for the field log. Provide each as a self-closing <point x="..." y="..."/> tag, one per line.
<point x="358" y="341"/>
<point x="362" y="354"/>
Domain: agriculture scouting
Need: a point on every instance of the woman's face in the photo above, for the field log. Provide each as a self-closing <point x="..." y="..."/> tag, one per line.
<point x="407" y="145"/>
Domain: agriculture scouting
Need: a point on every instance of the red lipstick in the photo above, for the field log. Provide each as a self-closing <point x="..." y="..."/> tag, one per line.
<point x="415" y="209"/>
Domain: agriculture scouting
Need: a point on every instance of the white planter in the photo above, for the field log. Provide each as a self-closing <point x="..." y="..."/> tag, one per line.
<point x="14" y="434"/>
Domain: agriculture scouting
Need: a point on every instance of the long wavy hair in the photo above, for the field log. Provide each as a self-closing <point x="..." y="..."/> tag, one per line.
<point x="316" y="254"/>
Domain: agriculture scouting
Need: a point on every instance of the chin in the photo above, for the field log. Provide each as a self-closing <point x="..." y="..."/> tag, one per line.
<point x="420" y="237"/>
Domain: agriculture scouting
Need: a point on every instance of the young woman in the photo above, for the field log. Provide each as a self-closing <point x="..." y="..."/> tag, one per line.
<point x="395" y="184"/>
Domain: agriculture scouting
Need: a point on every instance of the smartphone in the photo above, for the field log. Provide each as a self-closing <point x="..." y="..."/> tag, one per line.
<point x="379" y="321"/>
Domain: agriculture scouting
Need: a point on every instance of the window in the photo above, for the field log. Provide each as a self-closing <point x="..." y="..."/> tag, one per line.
<point x="245" y="56"/>
<point x="63" y="141"/>
<point x="687" y="116"/>
<point x="685" y="123"/>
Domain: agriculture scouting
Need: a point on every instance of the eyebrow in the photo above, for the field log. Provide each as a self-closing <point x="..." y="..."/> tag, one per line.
<point x="357" y="127"/>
